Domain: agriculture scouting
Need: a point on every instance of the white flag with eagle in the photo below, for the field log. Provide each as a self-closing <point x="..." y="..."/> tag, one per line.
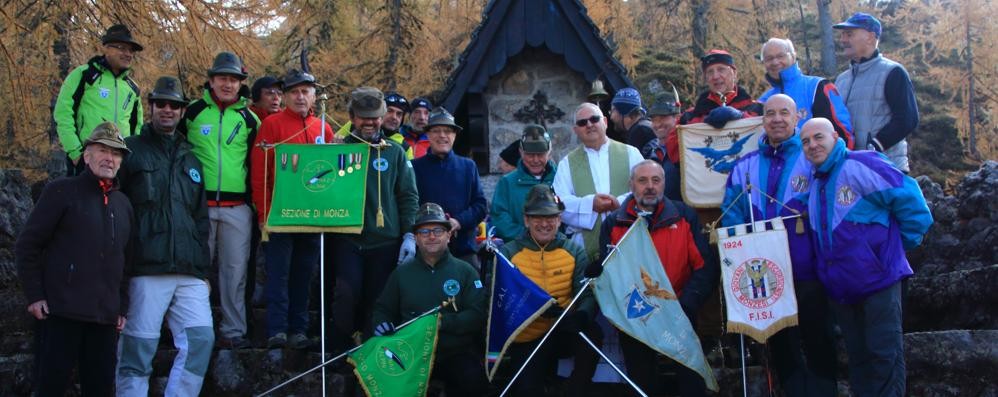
<point x="757" y="279"/>
<point x="707" y="155"/>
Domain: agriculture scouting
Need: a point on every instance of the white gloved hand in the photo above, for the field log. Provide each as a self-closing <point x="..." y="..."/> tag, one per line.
<point x="408" y="249"/>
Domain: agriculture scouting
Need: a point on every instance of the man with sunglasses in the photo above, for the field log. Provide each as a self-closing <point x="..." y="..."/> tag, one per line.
<point x="170" y="263"/>
<point x="101" y="90"/>
<point x="423" y="282"/>
<point x="291" y="257"/>
<point x="591" y="177"/>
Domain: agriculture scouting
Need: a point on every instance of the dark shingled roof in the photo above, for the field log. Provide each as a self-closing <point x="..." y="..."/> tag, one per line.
<point x="562" y="26"/>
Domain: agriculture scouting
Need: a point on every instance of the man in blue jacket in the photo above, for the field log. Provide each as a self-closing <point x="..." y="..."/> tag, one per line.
<point x="865" y="213"/>
<point x="780" y="170"/>
<point x="814" y="96"/>
<point x="450" y="180"/>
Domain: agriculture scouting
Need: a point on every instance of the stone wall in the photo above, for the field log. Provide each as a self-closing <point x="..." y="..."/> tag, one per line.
<point x="531" y="71"/>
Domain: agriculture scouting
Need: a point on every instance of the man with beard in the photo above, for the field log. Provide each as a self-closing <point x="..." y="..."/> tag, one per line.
<point x="452" y="181"/>
<point x="359" y="264"/>
<point x="101" y="90"/>
<point x="222" y="129"/>
<point x="396" y="108"/>
<point x="675" y="232"/>
<point x="170" y="266"/>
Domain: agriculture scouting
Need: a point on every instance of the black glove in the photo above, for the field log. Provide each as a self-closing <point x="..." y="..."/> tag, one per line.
<point x="553" y="311"/>
<point x="720" y="116"/>
<point x="595" y="268"/>
<point x="690" y="308"/>
<point x="384" y="329"/>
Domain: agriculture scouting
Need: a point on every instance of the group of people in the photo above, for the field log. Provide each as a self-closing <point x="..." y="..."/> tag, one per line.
<point x="150" y="209"/>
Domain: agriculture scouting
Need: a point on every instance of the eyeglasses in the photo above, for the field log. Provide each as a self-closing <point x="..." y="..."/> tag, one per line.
<point x="271" y="91"/>
<point x="592" y="119"/>
<point x="164" y="103"/>
<point x="122" y="48"/>
<point x="437" y="232"/>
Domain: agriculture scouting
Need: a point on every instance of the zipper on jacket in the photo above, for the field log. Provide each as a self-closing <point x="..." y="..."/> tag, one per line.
<point x="235" y="131"/>
<point x="72" y="269"/>
<point x="115" y="106"/>
<point x="218" y="185"/>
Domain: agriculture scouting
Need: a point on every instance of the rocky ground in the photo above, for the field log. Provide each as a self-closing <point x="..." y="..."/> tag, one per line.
<point x="950" y="320"/>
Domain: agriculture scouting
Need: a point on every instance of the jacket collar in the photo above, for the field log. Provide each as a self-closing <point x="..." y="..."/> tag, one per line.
<point x="528" y="242"/>
<point x="100" y="62"/>
<point x="548" y="169"/>
<point x="665" y="213"/>
<point x="437" y="266"/>
<point x="836" y="157"/>
<point x="709" y="100"/>
<point x="792" y="143"/>
<point x="875" y="55"/>
<point x="787" y="76"/>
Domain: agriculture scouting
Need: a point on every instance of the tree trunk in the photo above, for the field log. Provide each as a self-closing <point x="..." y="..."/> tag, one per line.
<point x="828" y="65"/>
<point x="971" y="103"/>
<point x="699" y="28"/>
<point x="395" y="10"/>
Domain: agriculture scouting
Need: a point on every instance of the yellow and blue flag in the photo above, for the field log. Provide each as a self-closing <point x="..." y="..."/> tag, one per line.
<point x="516" y="301"/>
<point x="635" y="295"/>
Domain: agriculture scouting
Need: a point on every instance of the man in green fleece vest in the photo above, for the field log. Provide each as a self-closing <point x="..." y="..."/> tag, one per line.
<point x="101" y="90"/>
<point x="423" y="282"/>
<point x="591" y="177"/>
<point x="221" y="127"/>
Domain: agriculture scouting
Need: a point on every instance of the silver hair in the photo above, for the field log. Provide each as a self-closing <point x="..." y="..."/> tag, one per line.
<point x="591" y="106"/>
<point x="786" y="44"/>
<point x="645" y="162"/>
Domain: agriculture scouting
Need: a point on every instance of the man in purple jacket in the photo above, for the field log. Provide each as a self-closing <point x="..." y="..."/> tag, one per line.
<point x="865" y="213"/>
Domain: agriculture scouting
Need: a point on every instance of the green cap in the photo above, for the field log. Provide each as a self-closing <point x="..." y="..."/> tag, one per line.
<point x="440" y="116"/>
<point x="107" y="134"/>
<point x="541" y="201"/>
<point x="367" y="102"/>
<point x="168" y="88"/>
<point x="535" y="139"/>
<point x="431" y="213"/>
<point x="228" y="63"/>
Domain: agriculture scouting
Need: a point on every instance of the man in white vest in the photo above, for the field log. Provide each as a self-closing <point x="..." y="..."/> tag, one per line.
<point x="877" y="92"/>
<point x="591" y="177"/>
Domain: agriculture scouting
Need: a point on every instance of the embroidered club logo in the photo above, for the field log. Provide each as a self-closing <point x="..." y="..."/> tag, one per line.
<point x="394" y="357"/>
<point x="757" y="283"/>
<point x="195" y="175"/>
<point x="799" y="183"/>
<point x="105" y="92"/>
<point x="205" y="129"/>
<point x="639" y="302"/>
<point x="380" y="164"/>
<point x="452" y="287"/>
<point x="845" y="196"/>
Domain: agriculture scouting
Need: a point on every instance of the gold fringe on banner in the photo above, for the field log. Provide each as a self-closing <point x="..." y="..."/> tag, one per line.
<point x="761" y="335"/>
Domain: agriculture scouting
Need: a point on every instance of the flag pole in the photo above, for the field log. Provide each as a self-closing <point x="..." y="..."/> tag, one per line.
<point x="344" y="354"/>
<point x="615" y="368"/>
<point x="322" y="260"/>
<point x="741" y="337"/>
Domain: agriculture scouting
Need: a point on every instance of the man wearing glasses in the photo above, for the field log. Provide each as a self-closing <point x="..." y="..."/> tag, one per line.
<point x="101" y="90"/>
<point x="423" y="282"/>
<point x="591" y="176"/>
<point x="266" y="95"/>
<point x="170" y="263"/>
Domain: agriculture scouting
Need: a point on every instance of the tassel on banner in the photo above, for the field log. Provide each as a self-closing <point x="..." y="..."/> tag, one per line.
<point x="799" y="226"/>
<point x="711" y="230"/>
<point x="380" y="217"/>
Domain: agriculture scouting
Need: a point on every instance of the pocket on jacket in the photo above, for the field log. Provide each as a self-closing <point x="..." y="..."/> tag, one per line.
<point x="144" y="190"/>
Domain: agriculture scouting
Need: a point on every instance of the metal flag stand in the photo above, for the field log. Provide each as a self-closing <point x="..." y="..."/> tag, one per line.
<point x="322" y="263"/>
<point x="344" y="354"/>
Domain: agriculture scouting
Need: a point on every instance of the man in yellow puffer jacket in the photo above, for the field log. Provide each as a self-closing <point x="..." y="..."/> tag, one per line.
<point x="557" y="265"/>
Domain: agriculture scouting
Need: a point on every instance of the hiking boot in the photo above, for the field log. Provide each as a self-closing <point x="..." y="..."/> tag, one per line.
<point x="234" y="343"/>
<point x="299" y="341"/>
<point x="277" y="341"/>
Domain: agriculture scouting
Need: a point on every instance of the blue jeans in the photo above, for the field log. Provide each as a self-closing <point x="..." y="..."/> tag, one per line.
<point x="291" y="260"/>
<point x="874" y="343"/>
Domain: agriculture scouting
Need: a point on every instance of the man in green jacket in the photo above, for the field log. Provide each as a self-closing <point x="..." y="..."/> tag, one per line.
<point x="101" y="90"/>
<point x="360" y="264"/>
<point x="222" y="128"/>
<point x="170" y="262"/>
<point x="423" y="282"/>
<point x="535" y="167"/>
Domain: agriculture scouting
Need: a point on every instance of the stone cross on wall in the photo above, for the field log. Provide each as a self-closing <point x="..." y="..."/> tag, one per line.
<point x="539" y="111"/>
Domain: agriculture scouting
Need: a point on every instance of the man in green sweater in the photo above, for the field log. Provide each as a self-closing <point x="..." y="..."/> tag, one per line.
<point x="431" y="277"/>
<point x="98" y="91"/>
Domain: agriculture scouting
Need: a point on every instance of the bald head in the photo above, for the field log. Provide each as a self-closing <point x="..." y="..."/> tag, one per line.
<point x="779" y="118"/>
<point x="818" y="138"/>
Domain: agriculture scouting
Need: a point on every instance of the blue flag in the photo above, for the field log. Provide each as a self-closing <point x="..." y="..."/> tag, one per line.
<point x="516" y="301"/>
<point x="635" y="294"/>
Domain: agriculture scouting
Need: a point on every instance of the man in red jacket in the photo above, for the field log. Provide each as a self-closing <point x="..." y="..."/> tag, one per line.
<point x="290" y="257"/>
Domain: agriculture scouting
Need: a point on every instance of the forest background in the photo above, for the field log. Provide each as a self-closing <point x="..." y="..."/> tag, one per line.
<point x="948" y="47"/>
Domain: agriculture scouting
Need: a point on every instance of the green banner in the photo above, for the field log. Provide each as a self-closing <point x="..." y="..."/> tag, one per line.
<point x="399" y="364"/>
<point x="318" y="188"/>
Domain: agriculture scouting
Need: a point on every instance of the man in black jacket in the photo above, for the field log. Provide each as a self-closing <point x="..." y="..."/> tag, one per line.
<point x="170" y="262"/>
<point x="71" y="259"/>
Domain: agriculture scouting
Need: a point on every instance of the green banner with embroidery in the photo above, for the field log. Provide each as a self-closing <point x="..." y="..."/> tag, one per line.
<point x="399" y="364"/>
<point x="318" y="188"/>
